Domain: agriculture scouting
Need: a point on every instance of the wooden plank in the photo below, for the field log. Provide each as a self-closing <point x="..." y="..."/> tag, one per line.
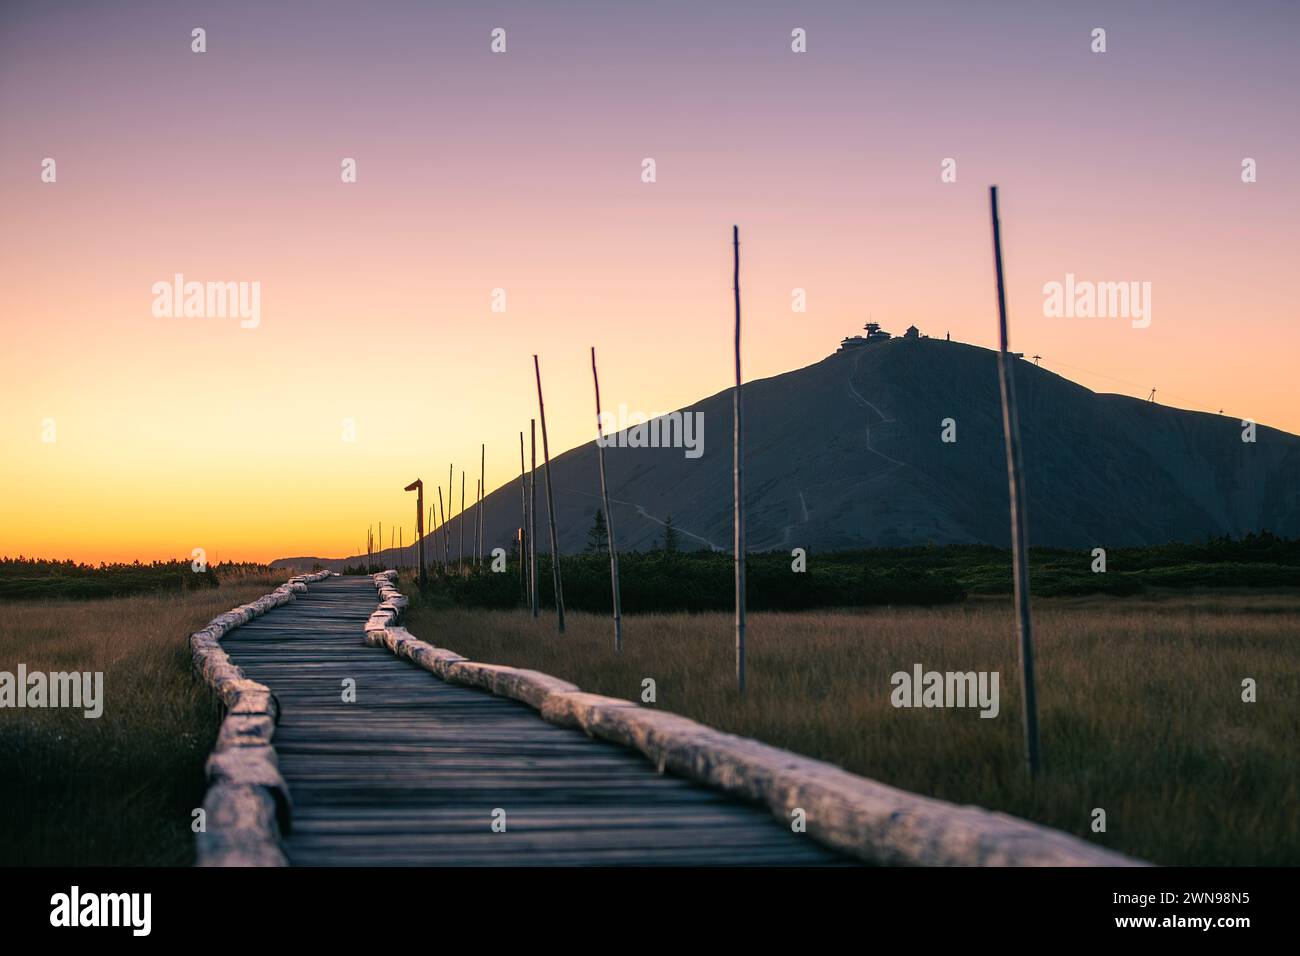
<point x="410" y="772"/>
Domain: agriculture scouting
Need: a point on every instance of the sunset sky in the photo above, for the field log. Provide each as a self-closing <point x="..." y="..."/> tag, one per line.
<point x="522" y="171"/>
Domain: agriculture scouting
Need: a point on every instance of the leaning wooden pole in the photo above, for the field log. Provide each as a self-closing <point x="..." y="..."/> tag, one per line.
<point x="532" y="514"/>
<point x="482" y="499"/>
<point x="523" y="520"/>
<point x="442" y="526"/>
<point x="451" y="497"/>
<point x="609" y="518"/>
<point x="550" y="503"/>
<point x="1019" y="525"/>
<point x="738" y="475"/>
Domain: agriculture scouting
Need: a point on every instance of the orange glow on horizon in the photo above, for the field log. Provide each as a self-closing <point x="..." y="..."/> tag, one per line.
<point x="523" y="173"/>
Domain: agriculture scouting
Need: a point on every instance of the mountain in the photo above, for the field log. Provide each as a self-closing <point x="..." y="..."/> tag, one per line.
<point x="847" y="453"/>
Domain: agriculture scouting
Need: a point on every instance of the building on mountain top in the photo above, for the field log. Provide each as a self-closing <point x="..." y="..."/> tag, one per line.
<point x="874" y="334"/>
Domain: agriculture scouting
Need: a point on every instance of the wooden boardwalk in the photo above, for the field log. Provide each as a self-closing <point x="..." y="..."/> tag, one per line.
<point x="411" y="773"/>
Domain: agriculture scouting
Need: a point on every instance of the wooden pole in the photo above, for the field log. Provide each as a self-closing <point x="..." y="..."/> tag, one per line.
<point x="401" y="549"/>
<point x="460" y="519"/>
<point x="532" y="514"/>
<point x="478" y="507"/>
<point x="1019" y="524"/>
<point x="738" y="469"/>
<point x="381" y="541"/>
<point x="550" y="503"/>
<point x="418" y="487"/>
<point x="460" y="523"/>
<point x="609" y="518"/>
<point x="523" y="520"/>
<point x="442" y="526"/>
<point x="482" y="497"/>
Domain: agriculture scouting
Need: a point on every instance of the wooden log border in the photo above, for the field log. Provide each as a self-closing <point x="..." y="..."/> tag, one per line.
<point x="866" y="819"/>
<point x="247" y="803"/>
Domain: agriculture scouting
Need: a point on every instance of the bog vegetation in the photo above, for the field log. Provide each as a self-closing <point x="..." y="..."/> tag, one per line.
<point x="1140" y="703"/>
<point x="1140" y="698"/>
<point x="119" y="789"/>
<point x="668" y="579"/>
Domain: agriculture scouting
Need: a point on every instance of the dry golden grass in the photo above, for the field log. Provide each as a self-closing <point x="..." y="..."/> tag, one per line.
<point x="1140" y="709"/>
<point x="1140" y="704"/>
<point x="119" y="789"/>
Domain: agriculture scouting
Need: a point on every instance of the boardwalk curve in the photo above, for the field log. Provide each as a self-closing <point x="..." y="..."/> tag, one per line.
<point x="412" y="771"/>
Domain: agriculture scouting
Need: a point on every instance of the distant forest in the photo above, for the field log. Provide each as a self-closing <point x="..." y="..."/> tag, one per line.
<point x="667" y="579"/>
<point x="36" y="578"/>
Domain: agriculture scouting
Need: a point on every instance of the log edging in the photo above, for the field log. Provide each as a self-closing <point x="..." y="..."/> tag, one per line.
<point x="247" y="805"/>
<point x="856" y="815"/>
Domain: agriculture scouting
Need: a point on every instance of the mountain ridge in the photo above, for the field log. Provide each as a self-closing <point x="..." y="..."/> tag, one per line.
<point x="848" y="453"/>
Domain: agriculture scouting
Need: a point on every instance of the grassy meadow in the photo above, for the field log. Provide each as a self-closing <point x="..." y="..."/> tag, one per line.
<point x="1140" y="703"/>
<point x="1140" y="709"/>
<point x="119" y="789"/>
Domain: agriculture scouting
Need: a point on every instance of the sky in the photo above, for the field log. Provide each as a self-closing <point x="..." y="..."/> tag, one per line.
<point x="378" y="357"/>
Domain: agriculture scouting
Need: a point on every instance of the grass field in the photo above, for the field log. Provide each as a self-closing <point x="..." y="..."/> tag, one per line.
<point x="119" y="789"/>
<point x="1140" y="705"/>
<point x="1139" y="702"/>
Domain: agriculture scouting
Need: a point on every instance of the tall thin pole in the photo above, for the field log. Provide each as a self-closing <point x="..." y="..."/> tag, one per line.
<point x="1019" y="525"/>
<point x="609" y="518"/>
<point x="523" y="519"/>
<point x="478" y="510"/>
<point x="532" y="514"/>
<point x="738" y="470"/>
<point x="550" y="503"/>
<point x="381" y="540"/>
<point x="460" y="522"/>
<point x="442" y="526"/>
<point x="482" y="497"/>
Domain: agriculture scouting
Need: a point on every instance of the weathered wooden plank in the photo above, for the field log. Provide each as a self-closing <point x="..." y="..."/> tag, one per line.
<point x="410" y="772"/>
<point x="873" y="821"/>
<point x="247" y="803"/>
